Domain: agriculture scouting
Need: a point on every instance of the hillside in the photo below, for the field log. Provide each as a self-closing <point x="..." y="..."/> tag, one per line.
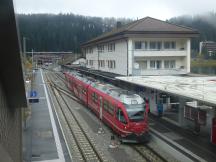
<point x="65" y="32"/>
<point x="62" y="32"/>
<point x="205" y="24"/>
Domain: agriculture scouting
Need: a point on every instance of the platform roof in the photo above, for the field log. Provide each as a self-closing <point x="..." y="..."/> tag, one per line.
<point x="197" y="88"/>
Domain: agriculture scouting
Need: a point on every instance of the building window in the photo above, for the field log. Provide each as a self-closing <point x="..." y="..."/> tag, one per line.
<point x="142" y="65"/>
<point x="111" y="64"/>
<point x="101" y="63"/>
<point x="166" y="64"/>
<point x="158" y="64"/>
<point x="111" y="47"/>
<point x="86" y="62"/>
<point x="170" y="45"/>
<point x="91" y="62"/>
<point x="140" y="45"/>
<point x="155" y="45"/>
<point x="100" y="48"/>
<point x="172" y="64"/>
<point x="152" y="64"/>
<point x="88" y="50"/>
<point x="114" y="64"/>
<point x="169" y="64"/>
<point x="155" y="64"/>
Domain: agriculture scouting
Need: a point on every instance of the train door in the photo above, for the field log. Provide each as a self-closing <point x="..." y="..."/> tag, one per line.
<point x="121" y="120"/>
<point x="101" y="107"/>
<point x="213" y="132"/>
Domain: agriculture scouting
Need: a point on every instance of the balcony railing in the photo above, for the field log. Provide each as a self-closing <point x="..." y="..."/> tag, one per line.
<point x="175" y="71"/>
<point x="153" y="53"/>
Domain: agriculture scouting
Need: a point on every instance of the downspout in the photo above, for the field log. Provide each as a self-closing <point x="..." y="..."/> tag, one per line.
<point x="98" y="57"/>
<point x="127" y="54"/>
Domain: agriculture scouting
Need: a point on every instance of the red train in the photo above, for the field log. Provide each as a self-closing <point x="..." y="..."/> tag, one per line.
<point x="125" y="112"/>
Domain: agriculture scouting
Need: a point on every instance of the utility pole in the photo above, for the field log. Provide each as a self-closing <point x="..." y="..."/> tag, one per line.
<point x="32" y="58"/>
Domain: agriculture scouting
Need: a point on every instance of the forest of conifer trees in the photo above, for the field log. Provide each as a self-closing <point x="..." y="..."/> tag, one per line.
<point x="65" y="32"/>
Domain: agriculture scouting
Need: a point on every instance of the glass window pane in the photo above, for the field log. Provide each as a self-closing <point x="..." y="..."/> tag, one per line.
<point x="172" y="64"/>
<point x="166" y="64"/>
<point x="152" y="45"/>
<point x="152" y="64"/>
<point x="138" y="45"/>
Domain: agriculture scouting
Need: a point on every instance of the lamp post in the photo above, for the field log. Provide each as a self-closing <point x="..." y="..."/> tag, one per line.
<point x="32" y="58"/>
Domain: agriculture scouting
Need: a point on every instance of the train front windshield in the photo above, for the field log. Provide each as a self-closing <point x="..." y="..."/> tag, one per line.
<point x="135" y="112"/>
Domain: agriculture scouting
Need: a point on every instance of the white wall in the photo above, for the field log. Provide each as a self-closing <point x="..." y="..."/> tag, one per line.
<point x="119" y="55"/>
<point x="182" y="57"/>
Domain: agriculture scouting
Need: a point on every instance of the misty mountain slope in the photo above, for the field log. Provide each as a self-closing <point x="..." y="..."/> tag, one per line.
<point x="65" y="32"/>
<point x="205" y="24"/>
<point x="62" y="32"/>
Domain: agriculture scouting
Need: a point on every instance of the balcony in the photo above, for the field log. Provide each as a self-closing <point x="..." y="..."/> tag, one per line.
<point x="159" y="53"/>
<point x="137" y="72"/>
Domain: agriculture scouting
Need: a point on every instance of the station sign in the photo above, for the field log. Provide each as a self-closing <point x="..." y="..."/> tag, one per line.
<point x="33" y="97"/>
<point x="163" y="95"/>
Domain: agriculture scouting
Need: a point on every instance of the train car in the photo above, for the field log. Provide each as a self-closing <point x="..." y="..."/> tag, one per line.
<point x="69" y="80"/>
<point x="125" y="112"/>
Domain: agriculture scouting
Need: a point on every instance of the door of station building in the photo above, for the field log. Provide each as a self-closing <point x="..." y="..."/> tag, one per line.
<point x="213" y="132"/>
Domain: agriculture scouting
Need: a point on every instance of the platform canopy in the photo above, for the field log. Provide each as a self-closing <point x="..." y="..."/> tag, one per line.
<point x="197" y="88"/>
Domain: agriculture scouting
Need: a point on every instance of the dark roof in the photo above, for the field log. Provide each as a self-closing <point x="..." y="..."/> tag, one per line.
<point x="146" y="25"/>
<point x="11" y="75"/>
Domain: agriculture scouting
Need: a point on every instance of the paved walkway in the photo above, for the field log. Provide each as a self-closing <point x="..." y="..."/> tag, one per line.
<point x="199" y="145"/>
<point x="43" y="138"/>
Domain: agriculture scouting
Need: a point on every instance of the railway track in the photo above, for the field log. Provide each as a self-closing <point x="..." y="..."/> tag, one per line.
<point x="84" y="144"/>
<point x="147" y="153"/>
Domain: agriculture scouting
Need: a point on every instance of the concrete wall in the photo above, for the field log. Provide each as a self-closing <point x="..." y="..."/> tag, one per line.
<point x="10" y="131"/>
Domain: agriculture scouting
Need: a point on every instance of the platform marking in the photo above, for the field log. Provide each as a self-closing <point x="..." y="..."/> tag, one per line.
<point x="55" y="132"/>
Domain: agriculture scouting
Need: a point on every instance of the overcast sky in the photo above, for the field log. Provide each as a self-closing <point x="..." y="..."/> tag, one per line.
<point x="161" y="9"/>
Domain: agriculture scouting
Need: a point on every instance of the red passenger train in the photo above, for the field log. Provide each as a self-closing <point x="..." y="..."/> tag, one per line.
<point x="125" y="112"/>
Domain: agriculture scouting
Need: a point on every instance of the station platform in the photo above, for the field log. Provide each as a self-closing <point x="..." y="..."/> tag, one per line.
<point x="43" y="139"/>
<point x="195" y="147"/>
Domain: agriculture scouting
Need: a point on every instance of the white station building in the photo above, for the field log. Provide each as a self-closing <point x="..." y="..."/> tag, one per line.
<point x="144" y="47"/>
<point x="148" y="47"/>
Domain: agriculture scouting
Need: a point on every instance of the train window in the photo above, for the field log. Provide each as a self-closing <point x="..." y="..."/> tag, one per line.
<point x="111" y="108"/>
<point x="105" y="105"/>
<point x="108" y="107"/>
<point x="135" y="112"/>
<point x="84" y="91"/>
<point x="94" y="97"/>
<point x="120" y="116"/>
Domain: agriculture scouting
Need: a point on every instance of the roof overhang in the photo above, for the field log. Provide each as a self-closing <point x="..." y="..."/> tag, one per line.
<point x="141" y="34"/>
<point x="196" y="88"/>
<point x="10" y="62"/>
